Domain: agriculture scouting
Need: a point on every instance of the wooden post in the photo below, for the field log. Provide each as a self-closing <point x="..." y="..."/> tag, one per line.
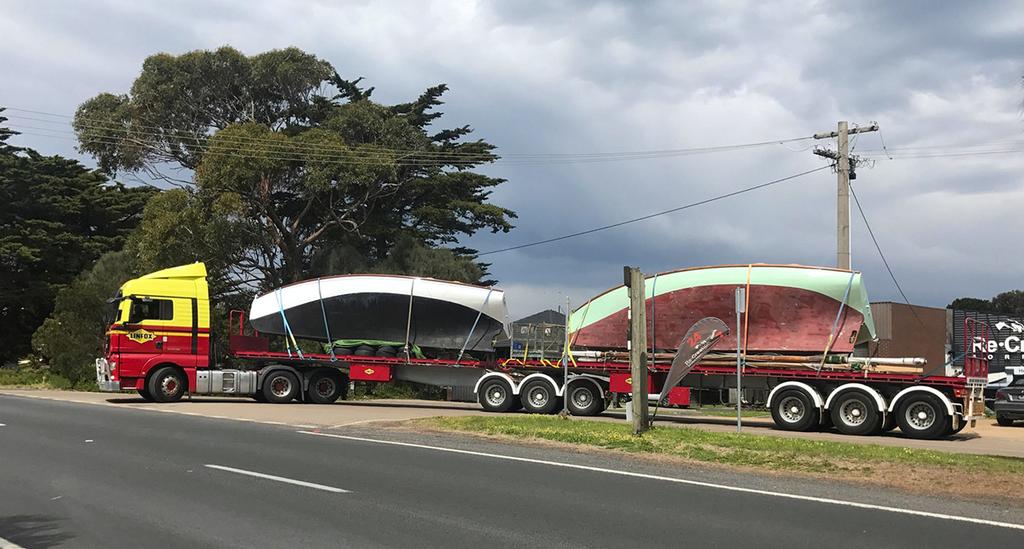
<point x="634" y="280"/>
<point x="843" y="199"/>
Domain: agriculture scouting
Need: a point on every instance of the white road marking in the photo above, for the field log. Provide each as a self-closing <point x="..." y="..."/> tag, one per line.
<point x="4" y="544"/>
<point x="278" y="479"/>
<point x="3" y="425"/>
<point x="702" y="484"/>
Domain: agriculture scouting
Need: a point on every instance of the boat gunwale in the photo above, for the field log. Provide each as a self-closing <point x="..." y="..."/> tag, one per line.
<point x="726" y="266"/>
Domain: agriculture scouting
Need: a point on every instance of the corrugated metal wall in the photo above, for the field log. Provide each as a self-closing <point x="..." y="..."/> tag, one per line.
<point x="909" y="331"/>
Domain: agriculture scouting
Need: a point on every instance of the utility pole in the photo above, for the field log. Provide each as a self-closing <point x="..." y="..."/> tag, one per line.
<point x="634" y="280"/>
<point x="844" y="168"/>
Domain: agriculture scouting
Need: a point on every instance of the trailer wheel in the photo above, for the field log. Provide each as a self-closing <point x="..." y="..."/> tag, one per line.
<point x="538" y="397"/>
<point x="280" y="387"/>
<point x="922" y="416"/>
<point x="585" y="399"/>
<point x="855" y="413"/>
<point x="166" y="385"/>
<point x="889" y="423"/>
<point x="324" y="387"/>
<point x="495" y="395"/>
<point x="794" y="410"/>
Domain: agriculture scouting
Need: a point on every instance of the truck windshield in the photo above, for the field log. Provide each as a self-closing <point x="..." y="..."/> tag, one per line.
<point x="113" y="311"/>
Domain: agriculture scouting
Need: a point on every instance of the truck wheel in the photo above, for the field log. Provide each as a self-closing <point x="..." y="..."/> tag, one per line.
<point x="324" y="387"/>
<point x="495" y="395"/>
<point x="585" y="399"/>
<point x="889" y="423"/>
<point x="144" y="393"/>
<point x="538" y="397"/>
<point x="855" y="413"/>
<point x="1003" y="420"/>
<point x="922" y="416"/>
<point x="280" y="387"/>
<point x="794" y="410"/>
<point x="166" y="385"/>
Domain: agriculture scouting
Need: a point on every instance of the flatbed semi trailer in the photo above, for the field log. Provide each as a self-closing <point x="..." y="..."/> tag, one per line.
<point x="159" y="345"/>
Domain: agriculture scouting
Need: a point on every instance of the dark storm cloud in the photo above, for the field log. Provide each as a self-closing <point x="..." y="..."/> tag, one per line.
<point x="580" y="76"/>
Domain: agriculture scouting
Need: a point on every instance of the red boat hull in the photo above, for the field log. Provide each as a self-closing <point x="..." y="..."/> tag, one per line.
<point x="779" y="319"/>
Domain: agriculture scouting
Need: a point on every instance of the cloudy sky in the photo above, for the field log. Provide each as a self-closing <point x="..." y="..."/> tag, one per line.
<point x="943" y="80"/>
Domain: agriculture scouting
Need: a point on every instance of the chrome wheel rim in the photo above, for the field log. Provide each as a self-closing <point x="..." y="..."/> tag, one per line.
<point x="496" y="394"/>
<point x="281" y="386"/>
<point x="792" y="409"/>
<point x="853" y="413"/>
<point x="920" y="415"/>
<point x="538" y="396"/>
<point x="169" y="385"/>
<point x="581" y="397"/>
<point x="325" y="387"/>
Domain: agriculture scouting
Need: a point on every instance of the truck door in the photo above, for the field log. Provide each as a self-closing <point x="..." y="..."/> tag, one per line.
<point x="161" y="326"/>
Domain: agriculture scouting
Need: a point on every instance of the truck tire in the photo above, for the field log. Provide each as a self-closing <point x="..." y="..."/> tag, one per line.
<point x="167" y="384"/>
<point x="495" y="395"/>
<point x="145" y="394"/>
<point x="889" y="423"/>
<point x="585" y="399"/>
<point x="922" y="416"/>
<point x="280" y="387"/>
<point x="538" y="397"/>
<point x="793" y="410"/>
<point x="856" y="413"/>
<point x="324" y="387"/>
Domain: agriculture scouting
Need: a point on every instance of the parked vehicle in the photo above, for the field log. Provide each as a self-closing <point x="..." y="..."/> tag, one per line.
<point x="1009" y="403"/>
<point x="159" y="345"/>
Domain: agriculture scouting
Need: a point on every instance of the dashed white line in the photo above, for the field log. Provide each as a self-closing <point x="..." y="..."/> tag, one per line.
<point x="3" y="425"/>
<point x="702" y="484"/>
<point x="4" y="544"/>
<point x="278" y="479"/>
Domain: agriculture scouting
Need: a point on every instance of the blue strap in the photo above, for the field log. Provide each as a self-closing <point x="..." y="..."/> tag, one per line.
<point x="287" y="328"/>
<point x="835" y="324"/>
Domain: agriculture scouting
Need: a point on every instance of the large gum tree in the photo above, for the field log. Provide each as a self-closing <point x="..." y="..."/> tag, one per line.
<point x="296" y="164"/>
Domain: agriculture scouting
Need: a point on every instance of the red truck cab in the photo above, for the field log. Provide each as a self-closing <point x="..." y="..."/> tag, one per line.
<point x="160" y="334"/>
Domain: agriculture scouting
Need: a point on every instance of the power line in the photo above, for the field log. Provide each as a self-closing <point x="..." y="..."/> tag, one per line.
<point x="649" y="216"/>
<point x="882" y="255"/>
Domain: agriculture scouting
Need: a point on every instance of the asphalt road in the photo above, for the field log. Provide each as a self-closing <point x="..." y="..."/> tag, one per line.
<point x="76" y="475"/>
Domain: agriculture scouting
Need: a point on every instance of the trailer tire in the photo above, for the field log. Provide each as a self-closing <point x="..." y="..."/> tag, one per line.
<point x="889" y="423"/>
<point x="324" y="387"/>
<point x="584" y="399"/>
<point x="145" y="394"/>
<point x="793" y="410"/>
<point x="539" y="397"/>
<point x="495" y="395"/>
<point x="856" y="413"/>
<point x="280" y="387"/>
<point x="167" y="384"/>
<point x="922" y="416"/>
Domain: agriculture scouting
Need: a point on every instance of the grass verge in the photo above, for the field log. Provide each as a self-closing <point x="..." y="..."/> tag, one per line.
<point x="36" y="378"/>
<point x="965" y="475"/>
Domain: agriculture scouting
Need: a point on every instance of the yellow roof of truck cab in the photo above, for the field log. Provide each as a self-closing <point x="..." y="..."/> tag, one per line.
<point x="183" y="281"/>
<point x="192" y="270"/>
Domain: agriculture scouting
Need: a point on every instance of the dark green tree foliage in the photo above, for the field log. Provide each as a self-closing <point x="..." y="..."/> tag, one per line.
<point x="1007" y="303"/>
<point x="307" y="161"/>
<point x="56" y="219"/>
<point x="73" y="336"/>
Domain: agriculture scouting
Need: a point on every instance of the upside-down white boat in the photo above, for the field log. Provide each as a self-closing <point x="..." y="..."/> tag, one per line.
<point x="435" y="314"/>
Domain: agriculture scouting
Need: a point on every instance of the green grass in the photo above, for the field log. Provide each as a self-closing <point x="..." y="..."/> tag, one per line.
<point x="37" y="378"/>
<point x="760" y="451"/>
